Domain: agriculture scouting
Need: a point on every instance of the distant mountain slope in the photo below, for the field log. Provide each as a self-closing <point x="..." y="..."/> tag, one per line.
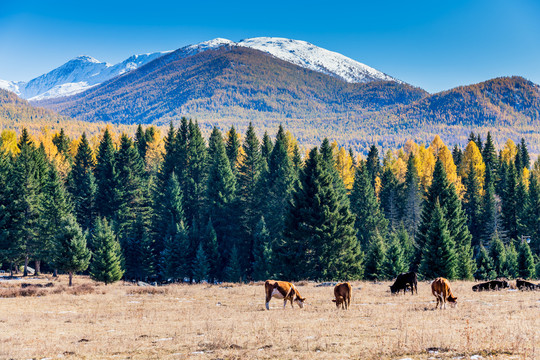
<point x="224" y="79"/>
<point x="504" y="101"/>
<point x="16" y="111"/>
<point x="75" y="76"/>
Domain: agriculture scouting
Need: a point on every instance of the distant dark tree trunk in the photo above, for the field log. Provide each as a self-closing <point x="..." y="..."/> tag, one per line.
<point x="11" y="266"/>
<point x="37" y="267"/>
<point x="25" y="273"/>
<point x="55" y="273"/>
<point x="70" y="273"/>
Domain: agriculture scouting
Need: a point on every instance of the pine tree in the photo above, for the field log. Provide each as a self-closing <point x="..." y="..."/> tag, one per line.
<point x="413" y="199"/>
<point x="71" y="253"/>
<point x="489" y="224"/>
<point x="389" y="197"/>
<point x="266" y="149"/>
<point x="489" y="154"/>
<point x="375" y="258"/>
<point x="532" y="214"/>
<point x="106" y="265"/>
<point x="439" y="256"/>
<point x="511" y="269"/>
<point x="201" y="266"/>
<point x="509" y="204"/>
<point x="233" y="149"/>
<point x="249" y="194"/>
<point x="395" y="260"/>
<point x="82" y="184"/>
<point x="211" y="250"/>
<point x="62" y="141"/>
<point x="369" y="218"/>
<point x="233" y="271"/>
<point x="524" y="156"/>
<point x="262" y="252"/>
<point x="221" y="194"/>
<point x="175" y="262"/>
<point x="319" y="237"/>
<point x="484" y="265"/>
<point x="407" y="245"/>
<point x="106" y="181"/>
<point x="525" y="261"/>
<point x="5" y="241"/>
<point x="473" y="205"/>
<point x="457" y="155"/>
<point x="497" y="253"/>
<point x="138" y="257"/>
<point x="373" y="165"/>
<point x="140" y="142"/>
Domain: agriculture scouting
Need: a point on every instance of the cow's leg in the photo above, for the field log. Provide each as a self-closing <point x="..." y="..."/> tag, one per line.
<point x="292" y="303"/>
<point x="268" y="298"/>
<point x="284" y="303"/>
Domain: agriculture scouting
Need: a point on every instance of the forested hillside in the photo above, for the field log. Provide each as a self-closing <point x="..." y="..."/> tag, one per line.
<point x="238" y="207"/>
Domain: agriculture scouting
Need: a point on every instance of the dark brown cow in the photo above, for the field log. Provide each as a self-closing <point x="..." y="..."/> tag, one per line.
<point x="282" y="290"/>
<point x="343" y="292"/>
<point x="491" y="285"/>
<point x="526" y="285"/>
<point x="440" y="287"/>
<point x="404" y="281"/>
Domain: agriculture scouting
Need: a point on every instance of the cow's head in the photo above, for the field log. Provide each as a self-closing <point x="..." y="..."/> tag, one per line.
<point x="339" y="300"/>
<point x="300" y="301"/>
<point x="452" y="300"/>
<point x="393" y="289"/>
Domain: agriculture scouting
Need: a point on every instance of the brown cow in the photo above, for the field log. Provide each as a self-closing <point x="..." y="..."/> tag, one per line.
<point x="342" y="292"/>
<point x="440" y="287"/>
<point x="282" y="290"/>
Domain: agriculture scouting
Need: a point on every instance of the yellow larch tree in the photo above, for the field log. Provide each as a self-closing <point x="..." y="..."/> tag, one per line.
<point x="436" y="145"/>
<point x="154" y="151"/>
<point x="509" y="151"/>
<point x="472" y="156"/>
<point x="445" y="155"/>
<point x="344" y="166"/>
<point x="425" y="166"/>
<point x="9" y="141"/>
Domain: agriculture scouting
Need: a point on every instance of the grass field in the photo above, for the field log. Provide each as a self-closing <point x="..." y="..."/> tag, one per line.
<point x="123" y="321"/>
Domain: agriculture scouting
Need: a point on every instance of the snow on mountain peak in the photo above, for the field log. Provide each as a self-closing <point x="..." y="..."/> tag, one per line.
<point x="87" y="58"/>
<point x="312" y="57"/>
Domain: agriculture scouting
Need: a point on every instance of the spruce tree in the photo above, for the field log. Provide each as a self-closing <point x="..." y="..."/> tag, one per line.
<point x="201" y="266"/>
<point x="266" y="149"/>
<point x="532" y="214"/>
<point x="82" y="184"/>
<point x="373" y="164"/>
<point x="389" y="196"/>
<point x="175" y="262"/>
<point x="221" y="194"/>
<point x="140" y="142"/>
<point x="407" y="246"/>
<point x="106" y="265"/>
<point x="138" y="257"/>
<point x="319" y="237"/>
<point x="457" y="155"/>
<point x="375" y="258"/>
<point x="509" y="206"/>
<point x="473" y="205"/>
<point x="364" y="204"/>
<point x="524" y="156"/>
<point x="248" y="193"/>
<point x="489" y="224"/>
<point x="395" y="259"/>
<point x="62" y="141"/>
<point x="497" y="253"/>
<point x="489" y="154"/>
<point x="438" y="252"/>
<point x="511" y="269"/>
<point x="413" y="198"/>
<point x="5" y="241"/>
<point x="106" y="181"/>
<point x="484" y="266"/>
<point x="233" y="149"/>
<point x="233" y="271"/>
<point x="211" y="250"/>
<point x="526" y="268"/>
<point x="71" y="253"/>
<point x="262" y="252"/>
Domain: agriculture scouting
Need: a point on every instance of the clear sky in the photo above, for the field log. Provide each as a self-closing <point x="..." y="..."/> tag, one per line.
<point x="434" y="44"/>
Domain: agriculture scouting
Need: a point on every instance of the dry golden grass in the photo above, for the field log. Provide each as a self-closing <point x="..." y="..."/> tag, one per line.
<point x="123" y="321"/>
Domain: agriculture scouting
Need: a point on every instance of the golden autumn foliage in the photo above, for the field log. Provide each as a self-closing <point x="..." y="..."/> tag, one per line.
<point x="473" y="157"/>
<point x="509" y="151"/>
<point x="344" y="166"/>
<point x="9" y="141"/>
<point x="154" y="151"/>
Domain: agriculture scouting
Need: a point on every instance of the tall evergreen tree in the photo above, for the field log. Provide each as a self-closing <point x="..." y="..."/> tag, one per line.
<point x="489" y="154"/>
<point x="262" y="252"/>
<point x="233" y="271"/>
<point x="526" y="268"/>
<point x="138" y="256"/>
<point x="376" y="258"/>
<point x="457" y="155"/>
<point x="211" y="250"/>
<point x="71" y="252"/>
<point x="510" y="204"/>
<point x="106" y="181"/>
<point x="532" y="214"/>
<point x="233" y="149"/>
<point x="497" y="253"/>
<point x="140" y="141"/>
<point x="62" y="141"/>
<point x="369" y="218"/>
<point x="201" y="266"/>
<point x="484" y="265"/>
<point x="389" y="196"/>
<point x="438" y="252"/>
<point x="373" y="164"/>
<point x="82" y="184"/>
<point x="5" y="240"/>
<point x="524" y="156"/>
<point x="511" y="269"/>
<point x="473" y="205"/>
<point x="106" y="265"/>
<point x="489" y="214"/>
<point x="320" y="240"/>
<point x="395" y="260"/>
<point x="175" y="262"/>
<point x="413" y="198"/>
<point x="266" y="149"/>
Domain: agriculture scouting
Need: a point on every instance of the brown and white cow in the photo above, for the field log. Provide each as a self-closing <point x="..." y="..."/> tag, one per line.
<point x="343" y="292"/>
<point x="440" y="287"/>
<point x="282" y="290"/>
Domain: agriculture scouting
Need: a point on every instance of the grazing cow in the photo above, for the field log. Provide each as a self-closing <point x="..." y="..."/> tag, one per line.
<point x="526" y="285"/>
<point x="342" y="292"/>
<point x="403" y="281"/>
<point x="282" y="290"/>
<point x="491" y="285"/>
<point x="440" y="287"/>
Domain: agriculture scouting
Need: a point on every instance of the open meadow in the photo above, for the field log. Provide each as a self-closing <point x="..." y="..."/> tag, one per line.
<point x="125" y="321"/>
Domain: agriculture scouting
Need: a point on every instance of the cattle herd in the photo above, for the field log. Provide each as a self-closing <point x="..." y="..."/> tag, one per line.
<point x="440" y="288"/>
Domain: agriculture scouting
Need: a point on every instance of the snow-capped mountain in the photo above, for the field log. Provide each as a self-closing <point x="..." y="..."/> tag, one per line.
<point x="75" y="76"/>
<point x="312" y="57"/>
<point x="84" y="72"/>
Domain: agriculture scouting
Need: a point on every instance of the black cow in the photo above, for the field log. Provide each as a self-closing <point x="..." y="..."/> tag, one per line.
<point x="404" y="281"/>
<point x="491" y="285"/>
<point x="526" y="285"/>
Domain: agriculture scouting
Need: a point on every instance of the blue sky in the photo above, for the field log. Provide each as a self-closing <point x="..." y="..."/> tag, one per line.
<point x="436" y="45"/>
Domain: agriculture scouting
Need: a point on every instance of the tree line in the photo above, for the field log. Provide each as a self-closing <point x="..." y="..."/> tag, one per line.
<point x="232" y="209"/>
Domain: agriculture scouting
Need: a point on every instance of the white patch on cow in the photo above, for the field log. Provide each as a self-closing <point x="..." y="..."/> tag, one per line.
<point x="277" y="294"/>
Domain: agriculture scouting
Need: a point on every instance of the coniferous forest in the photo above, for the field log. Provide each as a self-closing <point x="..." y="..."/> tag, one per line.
<point x="235" y="207"/>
